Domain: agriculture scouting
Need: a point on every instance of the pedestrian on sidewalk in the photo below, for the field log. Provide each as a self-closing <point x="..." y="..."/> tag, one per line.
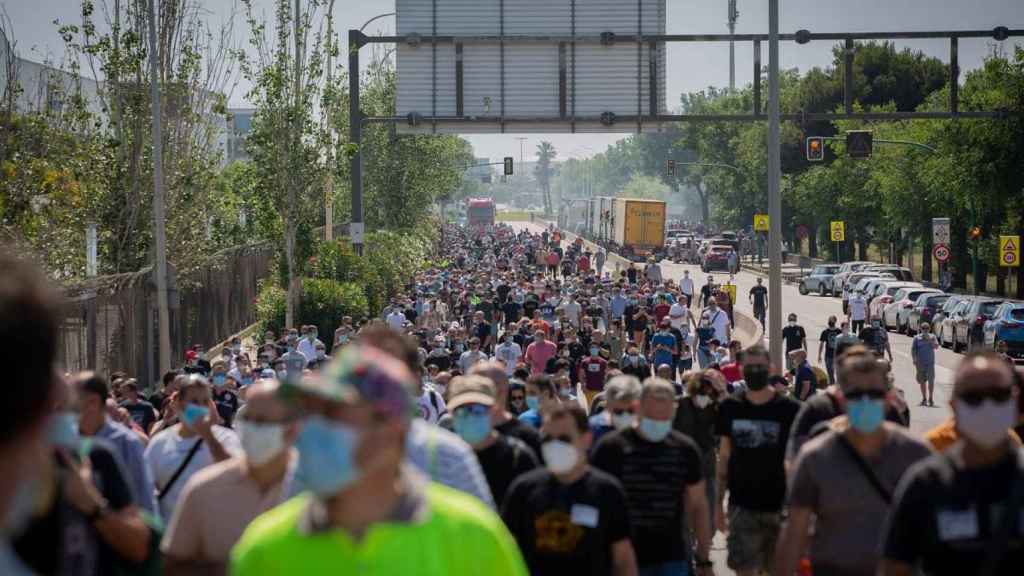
<point x="827" y="343"/>
<point x="759" y="300"/>
<point x="922" y="351"/>
<point x="686" y="287"/>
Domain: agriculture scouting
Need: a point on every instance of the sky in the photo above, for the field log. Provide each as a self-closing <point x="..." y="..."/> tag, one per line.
<point x="691" y="67"/>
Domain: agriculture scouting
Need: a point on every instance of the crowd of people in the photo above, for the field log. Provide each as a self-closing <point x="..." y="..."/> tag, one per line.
<point x="524" y="406"/>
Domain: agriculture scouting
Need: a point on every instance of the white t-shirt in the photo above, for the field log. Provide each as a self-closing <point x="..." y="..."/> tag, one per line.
<point x="572" y="311"/>
<point x="509" y="353"/>
<point x="167" y="450"/>
<point x="678" y="316"/>
<point x="720" y="322"/>
<point x="396" y="320"/>
<point x="858" y="308"/>
<point x="686" y="285"/>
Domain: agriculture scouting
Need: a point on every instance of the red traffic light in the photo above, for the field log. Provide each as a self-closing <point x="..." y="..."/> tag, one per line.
<point x="815" y="149"/>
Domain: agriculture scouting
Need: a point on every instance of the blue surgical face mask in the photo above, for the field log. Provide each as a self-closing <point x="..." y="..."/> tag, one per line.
<point x="473" y="428"/>
<point x="218" y="380"/>
<point x="594" y="350"/>
<point x="326" y="456"/>
<point x="865" y="414"/>
<point x="193" y="414"/>
<point x="532" y="402"/>
<point x="63" y="431"/>
<point x="655" y="430"/>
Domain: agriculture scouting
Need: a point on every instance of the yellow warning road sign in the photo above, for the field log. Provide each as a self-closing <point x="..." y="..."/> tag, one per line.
<point x="1009" y="251"/>
<point x="838" y="231"/>
<point x="760" y="222"/>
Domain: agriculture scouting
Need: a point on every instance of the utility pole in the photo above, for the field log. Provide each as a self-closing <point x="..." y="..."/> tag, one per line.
<point x="159" y="233"/>
<point x="329" y="160"/>
<point x="774" y="195"/>
<point x="733" y="16"/>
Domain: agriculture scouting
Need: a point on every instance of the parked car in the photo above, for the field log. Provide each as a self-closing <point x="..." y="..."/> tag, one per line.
<point x="925" y="309"/>
<point x="717" y="257"/>
<point x="896" y="314"/>
<point x="1007" y="325"/>
<point x="947" y="328"/>
<point x="898" y="271"/>
<point x="819" y="280"/>
<point x="942" y="314"/>
<point x="842" y="276"/>
<point x="870" y="289"/>
<point x="869" y="278"/>
<point x="884" y="295"/>
<point x="969" y="325"/>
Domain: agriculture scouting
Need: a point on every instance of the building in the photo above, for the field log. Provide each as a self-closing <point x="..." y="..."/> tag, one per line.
<point x="239" y="127"/>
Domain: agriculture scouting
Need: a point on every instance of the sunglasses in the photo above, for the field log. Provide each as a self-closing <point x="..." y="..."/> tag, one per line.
<point x="976" y="397"/>
<point x="562" y="438"/>
<point x="862" y="394"/>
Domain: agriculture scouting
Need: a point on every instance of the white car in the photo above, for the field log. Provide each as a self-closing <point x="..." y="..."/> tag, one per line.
<point x="896" y="313"/>
<point x="883" y="295"/>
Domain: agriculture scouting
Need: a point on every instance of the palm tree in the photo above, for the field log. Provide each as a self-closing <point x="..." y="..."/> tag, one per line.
<point x="543" y="171"/>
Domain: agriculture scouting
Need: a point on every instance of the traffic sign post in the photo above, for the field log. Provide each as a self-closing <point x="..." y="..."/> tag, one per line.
<point x="1009" y="251"/>
<point x="940" y="231"/>
<point x="941" y="253"/>
<point x="838" y="231"/>
<point x="760" y="222"/>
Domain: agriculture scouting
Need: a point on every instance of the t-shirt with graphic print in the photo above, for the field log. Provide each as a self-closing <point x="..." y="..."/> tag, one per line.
<point x="567" y="529"/>
<point x="758" y="432"/>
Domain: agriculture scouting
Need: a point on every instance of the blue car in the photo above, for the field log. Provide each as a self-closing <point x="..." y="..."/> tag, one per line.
<point x="1007" y="325"/>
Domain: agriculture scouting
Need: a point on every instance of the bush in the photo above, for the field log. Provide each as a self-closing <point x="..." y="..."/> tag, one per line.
<point x="324" y="302"/>
<point x="337" y="261"/>
<point x="270" y="307"/>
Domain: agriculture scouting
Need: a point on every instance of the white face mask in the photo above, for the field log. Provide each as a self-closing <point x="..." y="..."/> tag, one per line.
<point x="987" y="424"/>
<point x="260" y="441"/>
<point x="622" y="421"/>
<point x="701" y="401"/>
<point x="560" y="457"/>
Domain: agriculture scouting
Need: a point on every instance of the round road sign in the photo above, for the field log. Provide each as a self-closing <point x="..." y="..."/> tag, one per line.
<point x="1009" y="258"/>
<point x="941" y="252"/>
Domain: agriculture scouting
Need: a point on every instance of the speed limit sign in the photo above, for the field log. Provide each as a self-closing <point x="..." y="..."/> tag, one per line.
<point x="941" y="252"/>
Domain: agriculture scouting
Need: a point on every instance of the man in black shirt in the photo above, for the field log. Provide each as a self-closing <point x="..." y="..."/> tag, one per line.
<point x="660" y="470"/>
<point x="795" y="338"/>
<point x="141" y="411"/>
<point x="511" y="311"/>
<point x="875" y="337"/>
<point x="827" y="343"/>
<point x="570" y="518"/>
<point x="753" y="427"/>
<point x="759" y="299"/>
<point x="959" y="512"/>
<point x="502" y="458"/>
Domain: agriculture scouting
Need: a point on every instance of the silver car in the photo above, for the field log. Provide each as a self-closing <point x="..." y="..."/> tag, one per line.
<point x="819" y="280"/>
<point x="842" y="276"/>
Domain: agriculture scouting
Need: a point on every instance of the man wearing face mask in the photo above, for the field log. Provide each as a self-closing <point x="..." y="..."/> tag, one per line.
<point x="845" y="478"/>
<point x="827" y="343"/>
<point x="570" y="518"/>
<point x="361" y="489"/>
<point x="622" y="402"/>
<point x="796" y="339"/>
<point x="591" y="372"/>
<point x="175" y="454"/>
<point x="505" y="422"/>
<point x="753" y="426"/>
<point x="660" y="470"/>
<point x="224" y="398"/>
<point x="502" y="458"/>
<point x="294" y="361"/>
<point x="199" y="541"/>
<point x="718" y="319"/>
<point x="686" y="287"/>
<point x="959" y="512"/>
<point x="508" y="352"/>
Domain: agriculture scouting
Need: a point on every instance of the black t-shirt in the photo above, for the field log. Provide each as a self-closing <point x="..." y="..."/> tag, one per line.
<point x="503" y="290"/>
<point x="943" y="516"/>
<point x="547" y="309"/>
<point x="511" y="309"/>
<point x="410" y="315"/>
<point x="874" y="338"/>
<point x="63" y="541"/>
<point x="655" y="476"/>
<point x="828" y="336"/>
<point x="523" y="432"/>
<point x="483" y="331"/>
<point x="794" y="337"/>
<point x="503" y="462"/>
<point x="760" y="294"/>
<point x="141" y="412"/>
<point x="487" y="307"/>
<point x="530" y="306"/>
<point x="567" y="529"/>
<point x="758" y="432"/>
<point x="227" y="404"/>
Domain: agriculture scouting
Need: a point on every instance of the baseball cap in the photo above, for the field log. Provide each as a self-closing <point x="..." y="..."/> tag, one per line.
<point x="367" y="374"/>
<point x="472" y="389"/>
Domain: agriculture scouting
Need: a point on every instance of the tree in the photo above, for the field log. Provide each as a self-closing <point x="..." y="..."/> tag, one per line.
<point x="543" y="171"/>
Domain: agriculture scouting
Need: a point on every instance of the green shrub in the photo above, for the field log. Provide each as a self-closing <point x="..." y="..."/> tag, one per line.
<point x="324" y="302"/>
<point x="270" y="307"/>
<point x="337" y="261"/>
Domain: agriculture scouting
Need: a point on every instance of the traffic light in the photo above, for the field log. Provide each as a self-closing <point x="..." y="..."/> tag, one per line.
<point x="859" y="143"/>
<point x="671" y="167"/>
<point x="815" y="149"/>
<point x="975" y="233"/>
<point x="508" y="165"/>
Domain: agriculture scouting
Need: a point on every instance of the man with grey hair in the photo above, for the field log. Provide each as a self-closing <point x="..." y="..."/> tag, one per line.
<point x="503" y="421"/>
<point x="658" y="500"/>
<point x="622" y="402"/>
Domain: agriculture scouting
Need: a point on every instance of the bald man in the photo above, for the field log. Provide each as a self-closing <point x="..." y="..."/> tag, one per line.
<point x="503" y="420"/>
<point x="949" y="514"/>
<point x="219" y="502"/>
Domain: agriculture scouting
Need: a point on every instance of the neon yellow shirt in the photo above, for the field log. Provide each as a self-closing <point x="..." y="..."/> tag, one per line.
<point x="460" y="536"/>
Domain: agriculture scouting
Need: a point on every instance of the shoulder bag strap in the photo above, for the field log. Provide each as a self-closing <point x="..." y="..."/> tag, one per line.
<point x="181" y="468"/>
<point x="869" y="473"/>
<point x="995" y="548"/>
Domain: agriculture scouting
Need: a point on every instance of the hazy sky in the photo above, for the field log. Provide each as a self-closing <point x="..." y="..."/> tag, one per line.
<point x="691" y="67"/>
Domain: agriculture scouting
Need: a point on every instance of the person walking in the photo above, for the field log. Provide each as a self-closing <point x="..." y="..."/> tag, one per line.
<point x="759" y="300"/>
<point x="922" y="352"/>
<point x="795" y="337"/>
<point x="599" y="260"/>
<point x="845" y="480"/>
<point x="858" y="311"/>
<point x="686" y="287"/>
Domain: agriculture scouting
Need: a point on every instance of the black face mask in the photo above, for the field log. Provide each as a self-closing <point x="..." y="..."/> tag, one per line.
<point x="756" y="376"/>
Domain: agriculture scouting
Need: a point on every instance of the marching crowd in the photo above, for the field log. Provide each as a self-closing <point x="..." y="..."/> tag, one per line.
<point x="521" y="407"/>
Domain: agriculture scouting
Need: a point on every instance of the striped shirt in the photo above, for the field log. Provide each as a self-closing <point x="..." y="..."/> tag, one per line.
<point x="446" y="459"/>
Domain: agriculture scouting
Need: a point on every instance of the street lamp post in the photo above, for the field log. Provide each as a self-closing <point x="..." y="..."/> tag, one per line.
<point x="774" y="194"/>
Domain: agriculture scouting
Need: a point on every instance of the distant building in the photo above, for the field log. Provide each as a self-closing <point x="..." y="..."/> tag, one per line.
<point x="239" y="127"/>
